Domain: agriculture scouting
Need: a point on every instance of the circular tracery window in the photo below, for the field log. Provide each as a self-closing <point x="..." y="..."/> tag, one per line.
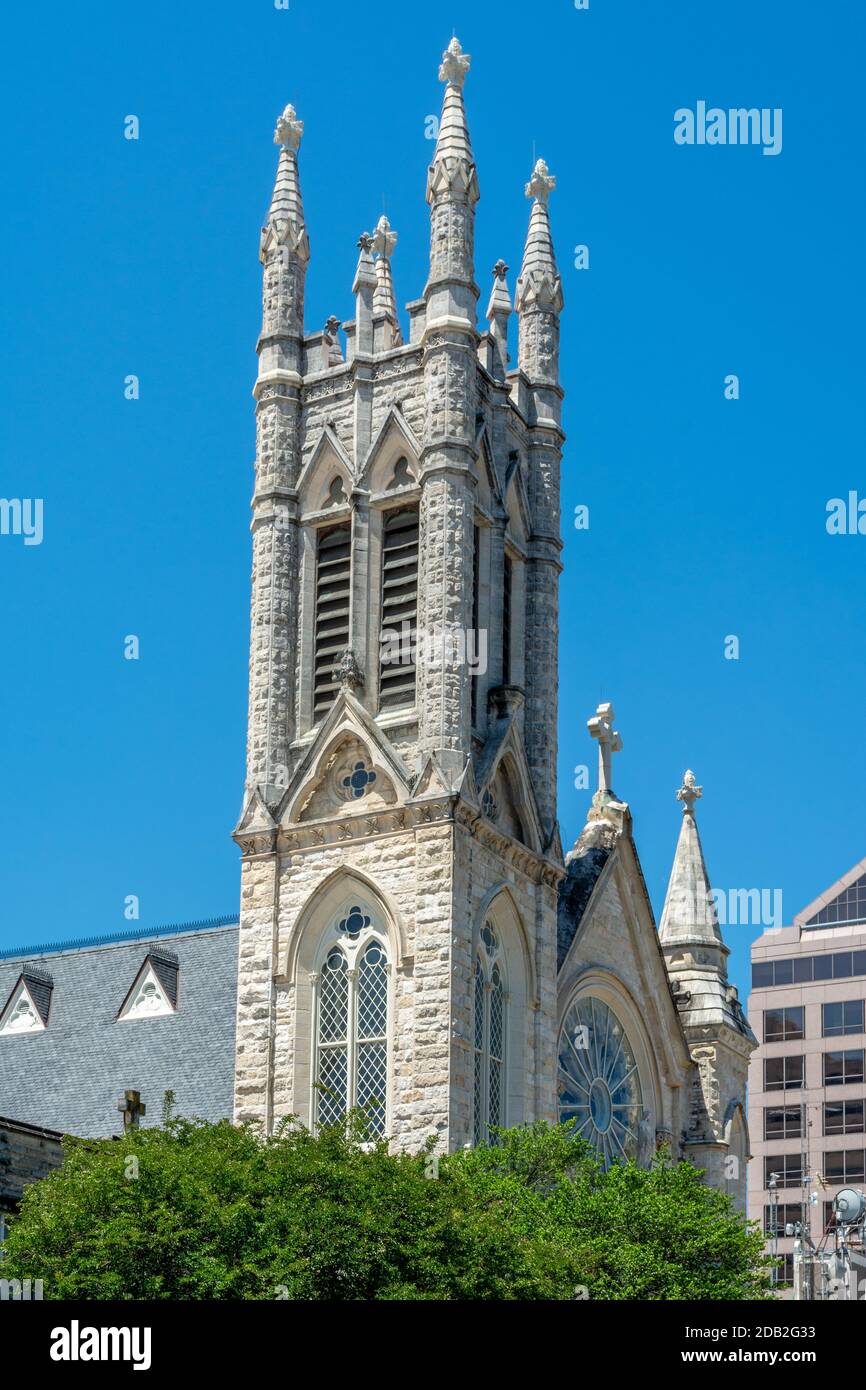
<point x="598" y="1082"/>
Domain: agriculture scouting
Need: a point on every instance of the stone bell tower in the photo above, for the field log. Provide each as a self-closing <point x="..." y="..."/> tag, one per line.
<point x="400" y="852"/>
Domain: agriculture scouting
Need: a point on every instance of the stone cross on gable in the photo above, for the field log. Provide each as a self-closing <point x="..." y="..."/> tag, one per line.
<point x="385" y="240"/>
<point x="609" y="741"/>
<point x="289" y="129"/>
<point x="455" y="64"/>
<point x="542" y="183"/>
<point x="689" y="793"/>
<point x="132" y="1107"/>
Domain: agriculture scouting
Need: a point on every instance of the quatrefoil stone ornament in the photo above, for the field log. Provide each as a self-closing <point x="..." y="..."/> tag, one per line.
<point x="354" y="923"/>
<point x="359" y="780"/>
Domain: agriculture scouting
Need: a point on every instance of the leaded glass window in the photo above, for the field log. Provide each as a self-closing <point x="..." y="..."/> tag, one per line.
<point x="598" y="1081"/>
<point x="489" y="1006"/>
<point x="352" y="1026"/>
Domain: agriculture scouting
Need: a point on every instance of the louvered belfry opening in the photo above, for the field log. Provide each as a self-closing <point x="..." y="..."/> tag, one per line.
<point x="399" y="628"/>
<point x="333" y="578"/>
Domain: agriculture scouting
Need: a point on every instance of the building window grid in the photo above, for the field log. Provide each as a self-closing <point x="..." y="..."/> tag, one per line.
<point x="784" y="1073"/>
<point x="783" y="1122"/>
<point x="844" y="1166"/>
<point x="843" y="1067"/>
<point x="841" y="1018"/>
<point x="789" y="1169"/>
<point x="794" y="970"/>
<point x="784" y="1025"/>
<point x="843" y="1117"/>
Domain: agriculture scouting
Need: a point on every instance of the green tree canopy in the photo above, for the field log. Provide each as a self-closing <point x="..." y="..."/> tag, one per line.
<point x="189" y="1210"/>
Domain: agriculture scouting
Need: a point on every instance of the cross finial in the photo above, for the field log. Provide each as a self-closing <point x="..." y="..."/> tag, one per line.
<point x="133" y="1108"/>
<point x="609" y="742"/>
<point x="500" y="270"/>
<point x="689" y="793"/>
<point x="385" y="240"/>
<point x="542" y="183"/>
<point x="289" y="129"/>
<point x="455" y="64"/>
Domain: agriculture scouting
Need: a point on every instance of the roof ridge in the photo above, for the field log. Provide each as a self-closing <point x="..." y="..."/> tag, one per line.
<point x="119" y="938"/>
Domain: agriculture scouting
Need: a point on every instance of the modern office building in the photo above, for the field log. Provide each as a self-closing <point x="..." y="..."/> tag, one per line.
<point x="806" y="1080"/>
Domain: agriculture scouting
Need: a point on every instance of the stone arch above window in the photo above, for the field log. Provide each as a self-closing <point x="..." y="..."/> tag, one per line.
<point x="347" y="779"/>
<point x="606" y="1086"/>
<point x="502" y="1000"/>
<point x="346" y="948"/>
<point x="489" y="1029"/>
<point x="352" y="1024"/>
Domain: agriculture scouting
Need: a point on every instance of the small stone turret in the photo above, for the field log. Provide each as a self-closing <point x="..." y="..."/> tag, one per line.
<point x="719" y="1037"/>
<point x="285" y="254"/>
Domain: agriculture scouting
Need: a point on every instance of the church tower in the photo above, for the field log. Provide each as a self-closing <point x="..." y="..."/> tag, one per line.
<point x="719" y="1037"/>
<point x="400" y="851"/>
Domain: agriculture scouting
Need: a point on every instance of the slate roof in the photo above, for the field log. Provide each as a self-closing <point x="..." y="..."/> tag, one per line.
<point x="583" y="865"/>
<point x="70" y="1076"/>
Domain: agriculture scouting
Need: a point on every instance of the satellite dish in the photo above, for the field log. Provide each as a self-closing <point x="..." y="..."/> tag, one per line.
<point x="849" y="1206"/>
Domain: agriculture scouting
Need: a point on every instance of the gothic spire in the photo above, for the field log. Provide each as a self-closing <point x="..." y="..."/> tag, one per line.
<point x="539" y="277"/>
<point x="498" y="314"/>
<point x="384" y="302"/>
<point x="383" y="244"/>
<point x="689" y="914"/>
<point x="453" y="146"/>
<point x="452" y="192"/>
<point x="286" y="215"/>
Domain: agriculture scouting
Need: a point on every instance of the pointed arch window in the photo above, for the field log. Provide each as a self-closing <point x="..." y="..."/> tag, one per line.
<point x="489" y="1005"/>
<point x="352" y="1023"/>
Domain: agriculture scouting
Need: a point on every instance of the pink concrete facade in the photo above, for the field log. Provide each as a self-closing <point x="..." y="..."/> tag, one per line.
<point x="807" y="1097"/>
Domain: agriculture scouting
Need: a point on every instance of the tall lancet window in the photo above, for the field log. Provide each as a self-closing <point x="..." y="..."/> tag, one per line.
<point x="333" y="582"/>
<point x="489" y="1001"/>
<point x="399" y="630"/>
<point x="352" y="1025"/>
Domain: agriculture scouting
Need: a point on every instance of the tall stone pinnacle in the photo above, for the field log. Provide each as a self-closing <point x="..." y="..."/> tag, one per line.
<point x="286" y="204"/>
<point x="689" y="915"/>
<point x="539" y="280"/>
<point x="383" y="244"/>
<point x="453" y="162"/>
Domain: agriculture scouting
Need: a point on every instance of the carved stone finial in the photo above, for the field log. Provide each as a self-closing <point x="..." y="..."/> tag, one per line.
<point x="365" y="242"/>
<point x="689" y="793"/>
<point x="289" y="129"/>
<point x="385" y="240"/>
<point x="332" y="325"/>
<point x="455" y="64"/>
<point x="500" y="270"/>
<point x="348" y="672"/>
<point x="542" y="183"/>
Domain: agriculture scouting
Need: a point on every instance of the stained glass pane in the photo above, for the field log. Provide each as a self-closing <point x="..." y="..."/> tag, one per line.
<point x="373" y="993"/>
<point x="332" y="1103"/>
<point x="478" y="992"/>
<point x="372" y="1082"/>
<point x="598" y="1081"/>
<point x="334" y="999"/>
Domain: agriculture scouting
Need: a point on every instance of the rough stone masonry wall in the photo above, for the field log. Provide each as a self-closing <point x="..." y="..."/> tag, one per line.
<point x="26" y="1155"/>
<point x="413" y="870"/>
<point x="479" y="869"/>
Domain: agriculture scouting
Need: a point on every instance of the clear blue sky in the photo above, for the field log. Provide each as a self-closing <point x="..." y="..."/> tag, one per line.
<point x="707" y="515"/>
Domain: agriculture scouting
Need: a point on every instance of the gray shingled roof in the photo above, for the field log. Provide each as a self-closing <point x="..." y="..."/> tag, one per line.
<point x="70" y="1077"/>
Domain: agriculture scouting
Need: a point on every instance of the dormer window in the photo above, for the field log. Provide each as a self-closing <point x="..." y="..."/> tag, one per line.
<point x="154" y="992"/>
<point x="28" y="1006"/>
